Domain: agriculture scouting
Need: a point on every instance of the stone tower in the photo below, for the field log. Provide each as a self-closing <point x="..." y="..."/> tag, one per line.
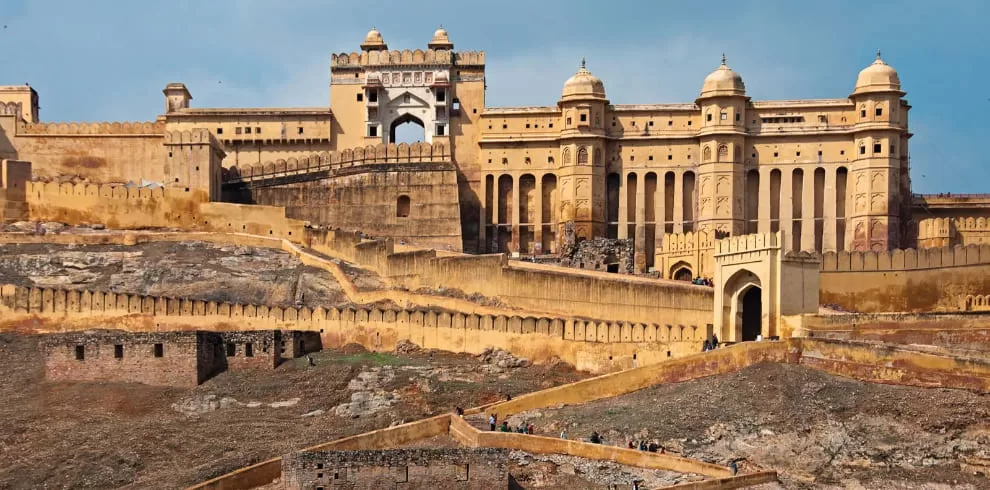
<point x="876" y="174"/>
<point x="721" y="139"/>
<point x="582" y="146"/>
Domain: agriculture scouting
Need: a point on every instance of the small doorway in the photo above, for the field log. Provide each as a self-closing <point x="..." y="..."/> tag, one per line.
<point x="613" y="268"/>
<point x="683" y="274"/>
<point x="752" y="313"/>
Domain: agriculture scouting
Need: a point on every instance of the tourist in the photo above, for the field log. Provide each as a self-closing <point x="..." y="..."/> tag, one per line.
<point x="595" y="438"/>
<point x="460" y="412"/>
<point x="310" y="361"/>
<point x="508" y="397"/>
<point x="491" y="421"/>
<point x="529" y="429"/>
<point x="714" y="341"/>
<point x="563" y="434"/>
<point x="653" y="447"/>
<point x="733" y="467"/>
<point x="521" y="429"/>
<point x="631" y="445"/>
<point x="642" y="445"/>
<point x="505" y="426"/>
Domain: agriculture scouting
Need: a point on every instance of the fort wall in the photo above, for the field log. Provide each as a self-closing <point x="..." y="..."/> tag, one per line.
<point x="945" y="232"/>
<point x="14" y="177"/>
<point x="948" y="330"/>
<point x="905" y="280"/>
<point x="587" y="344"/>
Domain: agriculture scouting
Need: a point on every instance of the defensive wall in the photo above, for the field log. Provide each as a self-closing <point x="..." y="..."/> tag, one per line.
<point x="957" y="331"/>
<point x="863" y="361"/>
<point x="406" y="192"/>
<point x="905" y="280"/>
<point x="588" y="344"/>
<point x="526" y="285"/>
<point x="947" y="232"/>
<point x="14" y="178"/>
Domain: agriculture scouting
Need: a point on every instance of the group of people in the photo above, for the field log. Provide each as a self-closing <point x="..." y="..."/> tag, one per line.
<point x="703" y="281"/>
<point x="652" y="447"/>
<point x="522" y="428"/>
<point x="710" y="344"/>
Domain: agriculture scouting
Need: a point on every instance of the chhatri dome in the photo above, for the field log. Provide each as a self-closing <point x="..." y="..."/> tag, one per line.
<point x="440" y="40"/>
<point x="373" y="40"/>
<point x="583" y="85"/>
<point x="878" y="77"/>
<point x="723" y="81"/>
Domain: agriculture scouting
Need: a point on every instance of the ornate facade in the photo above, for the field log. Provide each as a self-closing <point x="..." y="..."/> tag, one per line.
<point x="832" y="174"/>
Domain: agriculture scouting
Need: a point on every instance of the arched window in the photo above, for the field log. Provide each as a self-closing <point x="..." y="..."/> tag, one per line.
<point x="566" y="156"/>
<point x="723" y="152"/>
<point x="402" y="207"/>
<point x="707" y="154"/>
<point x="582" y="157"/>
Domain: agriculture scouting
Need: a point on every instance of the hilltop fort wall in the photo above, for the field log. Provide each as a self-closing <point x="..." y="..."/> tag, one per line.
<point x="406" y="192"/>
<point x="905" y="280"/>
<point x="14" y="177"/>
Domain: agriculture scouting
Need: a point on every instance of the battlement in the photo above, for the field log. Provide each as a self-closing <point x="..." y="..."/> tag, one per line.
<point x="684" y="242"/>
<point x="909" y="259"/>
<point x="43" y="190"/>
<point x="197" y="136"/>
<point x="378" y="154"/>
<point x="11" y="109"/>
<point x="748" y="243"/>
<point x="440" y="57"/>
<point x="92" y="128"/>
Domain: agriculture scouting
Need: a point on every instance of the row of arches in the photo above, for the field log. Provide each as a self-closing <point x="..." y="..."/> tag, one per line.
<point x="520" y="213"/>
<point x="809" y="204"/>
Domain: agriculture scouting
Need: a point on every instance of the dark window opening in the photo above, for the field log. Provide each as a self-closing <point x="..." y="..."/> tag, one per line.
<point x="584" y="117"/>
<point x="300" y="130"/>
<point x="650" y="158"/>
<point x="670" y="157"/>
<point x="549" y="160"/>
<point x="670" y="123"/>
<point x="118" y="351"/>
<point x="257" y="130"/>
<point x="877" y="147"/>
<point x="737" y="118"/>
<point x="219" y="130"/>
<point x="862" y="150"/>
<point x="689" y="123"/>
<point x="505" y="126"/>
<point x="247" y="130"/>
<point x="708" y="117"/>
<point x="159" y="350"/>
<point x="402" y="207"/>
<point x="440" y="129"/>
<point x="80" y="352"/>
<point x="440" y="96"/>
<point x="862" y="113"/>
<point x="231" y="349"/>
<point x="879" y="111"/>
<point x="651" y="124"/>
<point x="238" y="130"/>
<point x="372" y="130"/>
<point x="248" y="349"/>
<point x="551" y="125"/>
<point x="842" y="152"/>
<point x="775" y="154"/>
<point x="568" y="121"/>
<point x="373" y="96"/>
<point x="797" y="154"/>
<point x="819" y="153"/>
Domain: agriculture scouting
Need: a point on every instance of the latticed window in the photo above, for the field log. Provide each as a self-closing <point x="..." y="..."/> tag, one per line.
<point x="566" y="156"/>
<point x="582" y="157"/>
<point x="723" y="152"/>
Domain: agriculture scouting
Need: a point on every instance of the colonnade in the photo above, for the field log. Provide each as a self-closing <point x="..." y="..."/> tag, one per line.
<point x="809" y="202"/>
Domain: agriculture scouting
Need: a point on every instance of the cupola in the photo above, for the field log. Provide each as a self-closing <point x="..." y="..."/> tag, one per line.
<point x="723" y="81"/>
<point x="373" y="41"/>
<point x="878" y="77"/>
<point x="440" y="40"/>
<point x="583" y="85"/>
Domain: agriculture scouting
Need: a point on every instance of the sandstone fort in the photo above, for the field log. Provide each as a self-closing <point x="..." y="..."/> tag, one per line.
<point x="647" y="243"/>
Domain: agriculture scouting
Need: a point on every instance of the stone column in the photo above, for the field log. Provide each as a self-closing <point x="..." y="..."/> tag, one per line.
<point x="496" y="203"/>
<point x="660" y="209"/>
<point x="482" y="232"/>
<point x="787" y="207"/>
<point x="516" y="199"/>
<point x="538" y="220"/>
<point x="623" y="231"/>
<point x="763" y="207"/>
<point x="639" y="255"/>
<point x="678" y="202"/>
<point x="808" y="210"/>
<point x="828" y="212"/>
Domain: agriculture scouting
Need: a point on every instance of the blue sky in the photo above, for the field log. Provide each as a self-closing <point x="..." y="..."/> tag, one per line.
<point x="100" y="60"/>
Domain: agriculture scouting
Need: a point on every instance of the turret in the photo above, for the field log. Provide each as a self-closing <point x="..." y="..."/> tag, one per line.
<point x="176" y="97"/>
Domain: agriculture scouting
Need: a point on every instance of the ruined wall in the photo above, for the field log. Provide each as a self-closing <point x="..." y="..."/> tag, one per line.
<point x="251" y="349"/>
<point x="95" y="152"/>
<point x="432" y="468"/>
<point x="599" y="254"/>
<point x="406" y="192"/>
<point x="122" y="207"/>
<point x="158" y="358"/>
<point x="589" y="345"/>
<point x="905" y="280"/>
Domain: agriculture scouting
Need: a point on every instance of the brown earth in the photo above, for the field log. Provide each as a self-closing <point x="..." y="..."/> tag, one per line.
<point x="816" y="430"/>
<point x="197" y="270"/>
<point x="116" y="435"/>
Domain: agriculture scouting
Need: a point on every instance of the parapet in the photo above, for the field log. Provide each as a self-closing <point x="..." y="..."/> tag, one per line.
<point x="407" y="57"/>
<point x="749" y="243"/>
<point x="689" y="241"/>
<point x="909" y="259"/>
<point x="197" y="136"/>
<point x="377" y="154"/>
<point x="147" y="128"/>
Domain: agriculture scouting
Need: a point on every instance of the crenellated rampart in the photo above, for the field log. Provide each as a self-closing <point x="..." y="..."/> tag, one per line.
<point x="137" y="128"/>
<point x="347" y="158"/>
<point x="944" y="232"/>
<point x="691" y="251"/>
<point x="441" y="57"/>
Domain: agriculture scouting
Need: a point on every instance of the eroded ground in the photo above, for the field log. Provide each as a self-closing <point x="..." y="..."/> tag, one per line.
<point x="196" y="270"/>
<point x="816" y="430"/>
<point x="116" y="435"/>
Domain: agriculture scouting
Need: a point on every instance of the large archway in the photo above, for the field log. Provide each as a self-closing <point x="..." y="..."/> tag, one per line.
<point x="751" y="304"/>
<point x="407" y="128"/>
<point x="681" y="271"/>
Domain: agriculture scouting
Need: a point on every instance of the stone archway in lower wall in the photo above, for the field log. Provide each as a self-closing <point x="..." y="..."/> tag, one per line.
<point x="741" y="294"/>
<point x="681" y="271"/>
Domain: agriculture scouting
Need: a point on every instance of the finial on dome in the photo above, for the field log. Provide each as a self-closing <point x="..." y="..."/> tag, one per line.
<point x="878" y="53"/>
<point x="723" y="59"/>
<point x="583" y="63"/>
